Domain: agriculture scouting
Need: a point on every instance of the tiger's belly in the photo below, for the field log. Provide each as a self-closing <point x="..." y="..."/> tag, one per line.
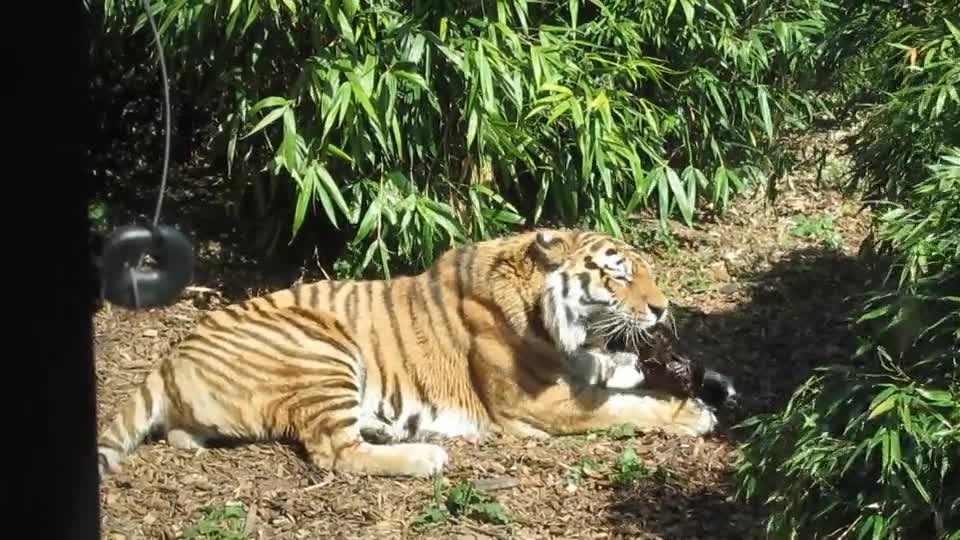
<point x="412" y="420"/>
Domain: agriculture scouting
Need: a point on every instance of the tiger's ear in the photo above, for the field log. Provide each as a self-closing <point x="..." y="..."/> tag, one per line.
<point x="551" y="247"/>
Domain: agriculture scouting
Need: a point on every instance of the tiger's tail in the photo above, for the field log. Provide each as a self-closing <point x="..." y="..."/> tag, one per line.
<point x="144" y="411"/>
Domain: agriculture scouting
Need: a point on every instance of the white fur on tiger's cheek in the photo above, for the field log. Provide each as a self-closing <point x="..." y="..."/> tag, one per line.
<point x="560" y="316"/>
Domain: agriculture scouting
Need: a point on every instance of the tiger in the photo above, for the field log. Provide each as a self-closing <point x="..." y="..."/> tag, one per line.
<point x="502" y="335"/>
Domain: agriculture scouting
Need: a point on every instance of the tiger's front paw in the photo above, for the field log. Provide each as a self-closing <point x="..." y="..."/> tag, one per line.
<point x="425" y="459"/>
<point x="622" y="372"/>
<point x="625" y="378"/>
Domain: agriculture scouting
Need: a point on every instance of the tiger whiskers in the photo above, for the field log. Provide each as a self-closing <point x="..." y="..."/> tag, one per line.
<point x="633" y="332"/>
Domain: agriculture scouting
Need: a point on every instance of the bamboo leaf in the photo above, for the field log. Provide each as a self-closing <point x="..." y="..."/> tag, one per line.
<point x="330" y="187"/>
<point x="763" y="97"/>
<point x="270" y="118"/>
<point x="882" y="407"/>
<point x="303" y="200"/>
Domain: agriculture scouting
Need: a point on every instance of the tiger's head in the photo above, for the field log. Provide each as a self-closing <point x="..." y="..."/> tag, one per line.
<point x="598" y="290"/>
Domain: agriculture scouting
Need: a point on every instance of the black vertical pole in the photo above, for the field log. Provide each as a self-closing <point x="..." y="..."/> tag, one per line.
<point x="59" y="488"/>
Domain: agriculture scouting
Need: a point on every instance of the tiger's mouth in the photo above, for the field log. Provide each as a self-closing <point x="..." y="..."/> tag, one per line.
<point x="618" y="343"/>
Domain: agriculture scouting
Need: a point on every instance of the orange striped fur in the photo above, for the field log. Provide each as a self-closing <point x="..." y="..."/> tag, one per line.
<point x="504" y="335"/>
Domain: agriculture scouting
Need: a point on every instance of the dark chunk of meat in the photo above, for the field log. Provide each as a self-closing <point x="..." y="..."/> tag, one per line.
<point x="665" y="368"/>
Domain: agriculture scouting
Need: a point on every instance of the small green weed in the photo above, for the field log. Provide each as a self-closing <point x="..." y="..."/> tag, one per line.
<point x="622" y="431"/>
<point x="463" y="500"/>
<point x="820" y="228"/>
<point x="614" y="433"/>
<point x="695" y="283"/>
<point x="629" y="469"/>
<point x="221" y="522"/>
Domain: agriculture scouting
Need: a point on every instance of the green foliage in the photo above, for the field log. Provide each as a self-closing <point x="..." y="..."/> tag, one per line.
<point x="917" y="64"/>
<point x="628" y="468"/>
<point x="465" y="500"/>
<point x="415" y="127"/>
<point x="872" y="449"/>
<point x="820" y="228"/>
<point x="219" y="523"/>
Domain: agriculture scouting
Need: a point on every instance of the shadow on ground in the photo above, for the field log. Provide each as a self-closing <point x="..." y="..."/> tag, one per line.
<point x="789" y="320"/>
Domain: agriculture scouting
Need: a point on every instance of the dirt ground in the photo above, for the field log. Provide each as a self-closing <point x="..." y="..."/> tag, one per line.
<point x="763" y="293"/>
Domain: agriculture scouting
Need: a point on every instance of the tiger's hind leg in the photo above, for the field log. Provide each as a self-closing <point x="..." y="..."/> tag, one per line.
<point x="334" y="440"/>
<point x="321" y="405"/>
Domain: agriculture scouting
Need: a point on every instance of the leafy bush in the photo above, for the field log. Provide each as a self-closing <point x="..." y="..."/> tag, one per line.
<point x="874" y="448"/>
<point x="919" y="115"/>
<point x="413" y="126"/>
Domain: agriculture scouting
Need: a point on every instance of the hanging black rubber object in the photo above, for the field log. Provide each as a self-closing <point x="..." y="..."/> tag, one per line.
<point x="125" y="284"/>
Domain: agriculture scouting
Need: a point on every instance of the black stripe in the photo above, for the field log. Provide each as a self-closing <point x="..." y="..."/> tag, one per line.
<point x="147" y="399"/>
<point x="234" y="360"/>
<point x="476" y="382"/>
<point x="314" y="295"/>
<point x="342" y="401"/>
<point x="347" y="334"/>
<point x="296" y="353"/>
<point x="298" y="294"/>
<point x="313" y="333"/>
<point x="219" y="390"/>
<point x="388" y="291"/>
<point x="270" y="322"/>
<point x="342" y="424"/>
<point x="350" y="307"/>
<point x="201" y="356"/>
<point x="436" y="294"/>
<point x="381" y="414"/>
<point x="413" y="424"/>
<point x="418" y="385"/>
<point x="465" y="272"/>
<point x="375" y="342"/>
<point x="464" y="278"/>
<point x="342" y="385"/>
<point x="585" y="278"/>
<point x="271" y="341"/>
<point x="216" y="325"/>
<point x="396" y="399"/>
<point x="328" y="409"/>
<point x="230" y="313"/>
<point x="172" y="391"/>
<point x="332" y="295"/>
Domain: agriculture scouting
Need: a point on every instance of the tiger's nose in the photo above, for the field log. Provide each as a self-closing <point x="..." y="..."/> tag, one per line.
<point x="657" y="311"/>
